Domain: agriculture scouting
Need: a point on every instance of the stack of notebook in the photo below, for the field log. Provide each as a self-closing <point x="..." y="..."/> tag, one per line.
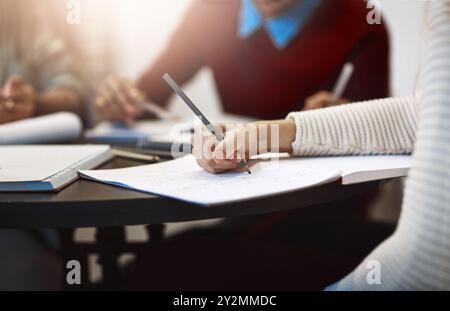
<point x="46" y="168"/>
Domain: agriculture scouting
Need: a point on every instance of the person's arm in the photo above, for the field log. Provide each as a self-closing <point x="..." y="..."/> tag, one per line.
<point x="19" y="100"/>
<point x="59" y="85"/>
<point x="386" y="126"/>
<point x="59" y="99"/>
<point x="182" y="58"/>
<point x="119" y="99"/>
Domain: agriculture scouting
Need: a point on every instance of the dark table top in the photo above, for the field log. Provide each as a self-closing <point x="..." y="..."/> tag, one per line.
<point x="89" y="204"/>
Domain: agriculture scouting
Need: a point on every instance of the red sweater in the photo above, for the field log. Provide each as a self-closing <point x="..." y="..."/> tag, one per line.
<point x="256" y="79"/>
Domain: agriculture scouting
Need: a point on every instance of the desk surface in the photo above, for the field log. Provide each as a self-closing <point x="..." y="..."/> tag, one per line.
<point x="89" y="204"/>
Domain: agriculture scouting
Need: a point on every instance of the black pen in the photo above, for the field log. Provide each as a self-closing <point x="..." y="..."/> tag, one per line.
<point x="218" y="134"/>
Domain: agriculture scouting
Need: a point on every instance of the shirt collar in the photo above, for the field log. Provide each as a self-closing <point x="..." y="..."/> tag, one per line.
<point x="281" y="29"/>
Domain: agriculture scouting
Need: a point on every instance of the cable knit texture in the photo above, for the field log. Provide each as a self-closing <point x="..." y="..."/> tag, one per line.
<point x="385" y="126"/>
<point x="417" y="256"/>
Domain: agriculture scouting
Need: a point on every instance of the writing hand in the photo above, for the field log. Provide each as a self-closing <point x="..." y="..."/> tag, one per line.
<point x="241" y="142"/>
<point x="217" y="157"/>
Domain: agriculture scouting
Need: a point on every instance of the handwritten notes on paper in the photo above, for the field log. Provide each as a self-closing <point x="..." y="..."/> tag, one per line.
<point x="185" y="180"/>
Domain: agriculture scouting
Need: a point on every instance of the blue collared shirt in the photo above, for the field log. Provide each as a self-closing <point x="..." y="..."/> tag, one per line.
<point x="281" y="29"/>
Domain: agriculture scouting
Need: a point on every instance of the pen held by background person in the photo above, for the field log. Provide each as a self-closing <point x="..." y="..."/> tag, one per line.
<point x="326" y="99"/>
<point x="341" y="83"/>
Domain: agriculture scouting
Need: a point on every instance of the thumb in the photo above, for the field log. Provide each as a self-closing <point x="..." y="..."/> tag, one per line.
<point x="227" y="148"/>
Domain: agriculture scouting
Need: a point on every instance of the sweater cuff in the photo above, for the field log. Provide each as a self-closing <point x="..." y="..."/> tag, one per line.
<point x="296" y="145"/>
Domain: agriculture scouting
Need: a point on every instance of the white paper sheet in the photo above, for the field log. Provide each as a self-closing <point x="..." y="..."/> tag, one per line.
<point x="359" y="169"/>
<point x="183" y="179"/>
<point x="53" y="128"/>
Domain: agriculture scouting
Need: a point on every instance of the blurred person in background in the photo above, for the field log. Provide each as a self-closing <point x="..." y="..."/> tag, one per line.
<point x="268" y="57"/>
<point x="39" y="74"/>
<point x="38" y="71"/>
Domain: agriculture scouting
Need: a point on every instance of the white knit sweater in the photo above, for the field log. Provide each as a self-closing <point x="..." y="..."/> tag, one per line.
<point x="417" y="255"/>
<point x="385" y="126"/>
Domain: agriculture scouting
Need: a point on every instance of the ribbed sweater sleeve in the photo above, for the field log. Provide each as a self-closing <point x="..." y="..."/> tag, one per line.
<point x="385" y="126"/>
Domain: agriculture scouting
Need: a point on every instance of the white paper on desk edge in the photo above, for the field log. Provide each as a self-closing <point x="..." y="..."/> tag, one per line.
<point x="292" y="177"/>
<point x="49" y="129"/>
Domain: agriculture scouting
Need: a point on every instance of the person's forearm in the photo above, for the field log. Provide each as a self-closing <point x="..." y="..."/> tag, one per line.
<point x="269" y="141"/>
<point x="386" y="126"/>
<point x="59" y="100"/>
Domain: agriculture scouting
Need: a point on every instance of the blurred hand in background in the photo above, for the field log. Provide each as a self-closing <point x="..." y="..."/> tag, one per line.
<point x="18" y="100"/>
<point x="118" y="100"/>
<point x="322" y="99"/>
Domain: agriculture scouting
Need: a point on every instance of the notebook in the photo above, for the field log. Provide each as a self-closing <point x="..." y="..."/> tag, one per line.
<point x="46" y="168"/>
<point x="184" y="180"/>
